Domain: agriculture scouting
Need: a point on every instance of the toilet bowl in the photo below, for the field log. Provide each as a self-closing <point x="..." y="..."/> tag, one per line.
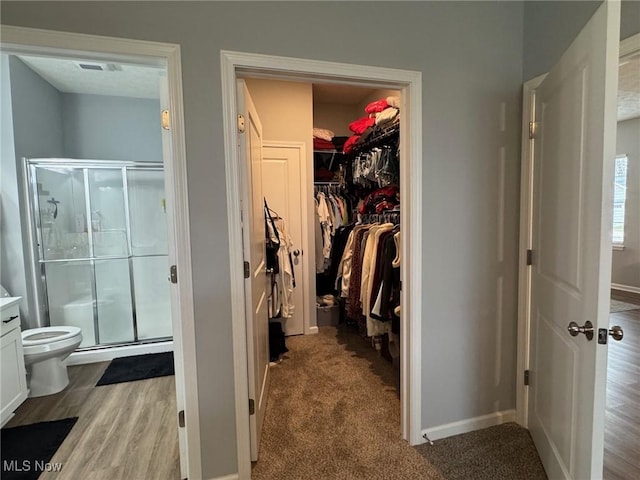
<point x="44" y="351"/>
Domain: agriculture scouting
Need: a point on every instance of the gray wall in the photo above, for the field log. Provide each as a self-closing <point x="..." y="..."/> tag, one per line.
<point x="629" y="18"/>
<point x="470" y="55"/>
<point x="37" y="132"/>
<point x="550" y="27"/>
<point x="103" y="127"/>
<point x="626" y="263"/>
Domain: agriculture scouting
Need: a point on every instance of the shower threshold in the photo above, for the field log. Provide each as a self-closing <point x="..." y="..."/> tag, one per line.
<point x="103" y="353"/>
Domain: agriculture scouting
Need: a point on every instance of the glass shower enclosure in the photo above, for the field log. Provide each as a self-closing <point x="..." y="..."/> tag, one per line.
<point x="99" y="250"/>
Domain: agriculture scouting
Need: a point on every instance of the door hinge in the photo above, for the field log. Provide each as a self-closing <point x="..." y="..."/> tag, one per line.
<point x="241" y="123"/>
<point x="247" y="270"/>
<point x="526" y="377"/>
<point x="181" y="418"/>
<point x="252" y="406"/>
<point x="533" y="129"/>
<point x="529" y="257"/>
<point x="166" y="122"/>
<point x="173" y="274"/>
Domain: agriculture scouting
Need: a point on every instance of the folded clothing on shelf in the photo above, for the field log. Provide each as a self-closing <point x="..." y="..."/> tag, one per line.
<point x="376" y="106"/>
<point x="323" y="134"/>
<point x="351" y="141"/>
<point x="322" y="144"/>
<point x="360" y="125"/>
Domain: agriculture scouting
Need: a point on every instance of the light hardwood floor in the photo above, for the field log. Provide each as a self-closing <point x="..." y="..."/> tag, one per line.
<point x="124" y="431"/>
<point x="628" y="297"/>
<point x="622" y="417"/>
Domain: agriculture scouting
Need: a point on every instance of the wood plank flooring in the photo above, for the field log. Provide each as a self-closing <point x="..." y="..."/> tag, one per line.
<point x="124" y="431"/>
<point x="623" y="296"/>
<point x="622" y="415"/>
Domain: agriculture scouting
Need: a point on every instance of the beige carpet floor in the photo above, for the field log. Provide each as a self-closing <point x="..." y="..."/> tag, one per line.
<point x="503" y="452"/>
<point x="333" y="412"/>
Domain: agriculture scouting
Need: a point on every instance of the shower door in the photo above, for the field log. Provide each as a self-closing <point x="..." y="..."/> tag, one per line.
<point x="149" y="252"/>
<point x="99" y="239"/>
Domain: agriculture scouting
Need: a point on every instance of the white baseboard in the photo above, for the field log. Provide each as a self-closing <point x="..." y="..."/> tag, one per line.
<point x="233" y="476"/>
<point x="108" y="354"/>
<point x="470" y="424"/>
<point x="313" y="330"/>
<point x="625" y="288"/>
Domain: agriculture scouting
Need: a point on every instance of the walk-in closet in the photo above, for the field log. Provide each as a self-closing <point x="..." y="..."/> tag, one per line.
<point x="331" y="183"/>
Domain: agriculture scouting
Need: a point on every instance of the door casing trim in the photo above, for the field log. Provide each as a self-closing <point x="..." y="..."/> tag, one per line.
<point x="234" y="64"/>
<point x="32" y="41"/>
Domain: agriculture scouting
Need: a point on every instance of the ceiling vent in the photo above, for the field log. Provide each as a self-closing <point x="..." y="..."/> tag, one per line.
<point x="97" y="67"/>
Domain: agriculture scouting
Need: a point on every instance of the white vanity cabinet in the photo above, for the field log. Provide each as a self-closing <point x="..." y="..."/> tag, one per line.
<point x="13" y="388"/>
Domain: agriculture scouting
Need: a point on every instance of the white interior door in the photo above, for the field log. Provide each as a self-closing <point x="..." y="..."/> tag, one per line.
<point x="575" y="111"/>
<point x="281" y="183"/>
<point x="255" y="285"/>
<point x="178" y="358"/>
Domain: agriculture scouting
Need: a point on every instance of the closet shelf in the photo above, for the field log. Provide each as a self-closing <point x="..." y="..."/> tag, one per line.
<point x="380" y="138"/>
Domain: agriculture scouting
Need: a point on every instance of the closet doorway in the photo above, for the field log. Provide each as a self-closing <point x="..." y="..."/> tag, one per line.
<point x="241" y="65"/>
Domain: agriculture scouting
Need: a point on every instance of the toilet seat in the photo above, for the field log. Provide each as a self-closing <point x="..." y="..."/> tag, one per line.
<point x="45" y="351"/>
<point x="48" y="335"/>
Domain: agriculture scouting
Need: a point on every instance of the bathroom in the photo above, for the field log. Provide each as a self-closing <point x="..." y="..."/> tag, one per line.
<point x="84" y="229"/>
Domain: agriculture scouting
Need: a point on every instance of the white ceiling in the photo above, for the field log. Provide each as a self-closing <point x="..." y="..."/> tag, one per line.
<point x="340" y="94"/>
<point x="143" y="82"/>
<point x="120" y="80"/>
<point x="629" y="88"/>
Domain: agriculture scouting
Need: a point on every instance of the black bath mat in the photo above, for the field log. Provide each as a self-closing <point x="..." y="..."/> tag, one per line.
<point x="138" y="367"/>
<point x="27" y="450"/>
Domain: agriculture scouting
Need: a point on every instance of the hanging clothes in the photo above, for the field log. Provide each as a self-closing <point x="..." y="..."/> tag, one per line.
<point x="374" y="327"/>
<point x="332" y="212"/>
<point x="318" y="238"/>
<point x="324" y="216"/>
<point x="387" y="295"/>
<point x="280" y="302"/>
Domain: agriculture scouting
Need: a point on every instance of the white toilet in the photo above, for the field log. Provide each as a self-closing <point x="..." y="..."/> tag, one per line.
<point x="45" y="349"/>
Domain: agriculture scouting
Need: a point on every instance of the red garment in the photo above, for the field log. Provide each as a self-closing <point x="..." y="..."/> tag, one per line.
<point x="351" y="141"/>
<point x="385" y="205"/>
<point x="360" y="125"/>
<point x="377" y="106"/>
<point x="380" y="200"/>
<point x="320" y="144"/>
<point x="323" y="175"/>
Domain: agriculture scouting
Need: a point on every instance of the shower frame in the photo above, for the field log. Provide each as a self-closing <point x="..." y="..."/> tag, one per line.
<point x="36" y="258"/>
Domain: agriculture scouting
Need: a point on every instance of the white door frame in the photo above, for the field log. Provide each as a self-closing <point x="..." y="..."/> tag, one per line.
<point x="30" y="41"/>
<point x="410" y="83"/>
<point x="306" y="179"/>
<point x="628" y="46"/>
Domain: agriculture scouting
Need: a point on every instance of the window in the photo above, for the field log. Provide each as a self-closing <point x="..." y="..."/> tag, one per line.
<point x="619" y="199"/>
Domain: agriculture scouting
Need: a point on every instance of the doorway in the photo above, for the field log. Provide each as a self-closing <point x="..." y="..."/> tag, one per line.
<point x="92" y="51"/>
<point x="236" y="65"/>
<point x="622" y="427"/>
